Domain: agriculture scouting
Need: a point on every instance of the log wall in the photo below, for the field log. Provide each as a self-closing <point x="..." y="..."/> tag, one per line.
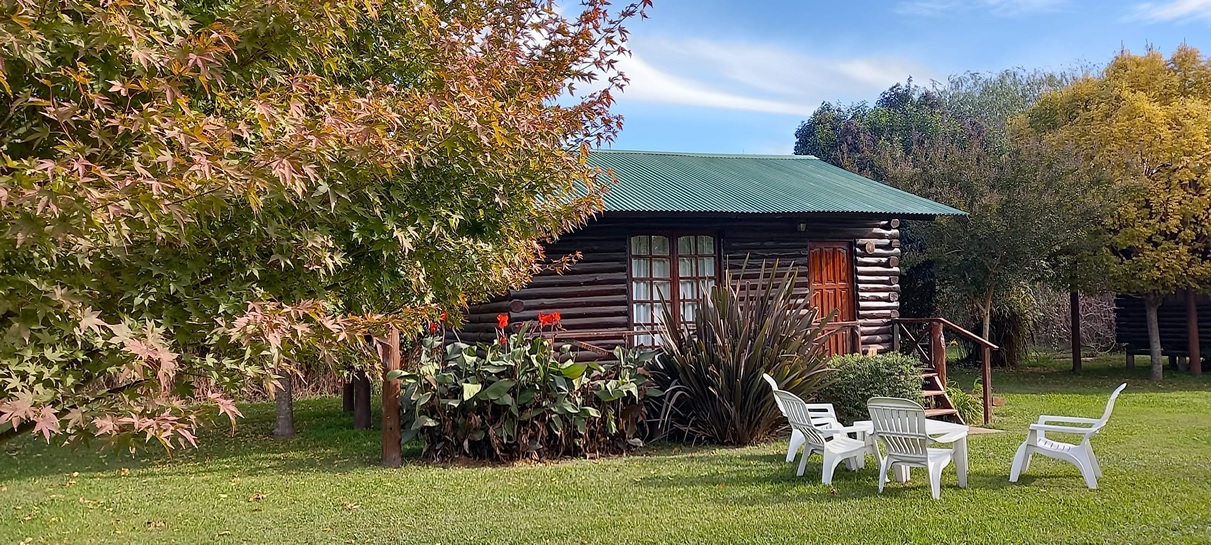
<point x="592" y="296"/>
<point x="1131" y="325"/>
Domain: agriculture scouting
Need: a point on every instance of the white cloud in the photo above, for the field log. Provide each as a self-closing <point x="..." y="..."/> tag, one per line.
<point x="1004" y="8"/>
<point x="1176" y="9"/>
<point x="761" y="78"/>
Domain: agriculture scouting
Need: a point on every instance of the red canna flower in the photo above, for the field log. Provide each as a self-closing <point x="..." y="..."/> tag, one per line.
<point x="544" y="319"/>
<point x="445" y="315"/>
<point x="503" y="341"/>
<point x="554" y="318"/>
<point x="432" y="327"/>
<point x="502" y="320"/>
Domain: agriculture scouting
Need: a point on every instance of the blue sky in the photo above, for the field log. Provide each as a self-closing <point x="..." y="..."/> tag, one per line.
<point x="738" y="76"/>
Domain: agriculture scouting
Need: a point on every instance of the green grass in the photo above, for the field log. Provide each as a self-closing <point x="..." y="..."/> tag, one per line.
<point x="323" y="487"/>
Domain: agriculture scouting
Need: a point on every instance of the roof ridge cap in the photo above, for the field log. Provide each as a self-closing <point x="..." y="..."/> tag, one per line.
<point x="716" y="155"/>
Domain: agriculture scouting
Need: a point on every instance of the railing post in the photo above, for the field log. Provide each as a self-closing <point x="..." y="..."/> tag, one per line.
<point x="857" y="338"/>
<point x="895" y="336"/>
<point x="937" y="350"/>
<point x="986" y="378"/>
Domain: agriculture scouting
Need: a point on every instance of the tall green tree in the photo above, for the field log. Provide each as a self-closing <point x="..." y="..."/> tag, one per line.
<point x="200" y="190"/>
<point x="955" y="143"/>
<point x="1145" y="122"/>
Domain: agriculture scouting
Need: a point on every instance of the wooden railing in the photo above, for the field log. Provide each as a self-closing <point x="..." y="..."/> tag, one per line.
<point x="930" y="346"/>
<point x="843" y="337"/>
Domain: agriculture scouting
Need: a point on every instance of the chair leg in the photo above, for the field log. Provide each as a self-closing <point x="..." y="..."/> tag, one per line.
<point x="831" y="461"/>
<point x="807" y="453"/>
<point x="935" y="481"/>
<point x="1097" y="468"/>
<point x="1020" y="461"/>
<point x="883" y="466"/>
<point x="1083" y="464"/>
<point x="797" y="441"/>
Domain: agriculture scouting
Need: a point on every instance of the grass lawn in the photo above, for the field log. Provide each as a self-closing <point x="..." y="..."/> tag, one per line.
<point x="323" y="487"/>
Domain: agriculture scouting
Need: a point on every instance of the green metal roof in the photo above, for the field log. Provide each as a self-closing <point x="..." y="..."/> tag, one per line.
<point x="758" y="184"/>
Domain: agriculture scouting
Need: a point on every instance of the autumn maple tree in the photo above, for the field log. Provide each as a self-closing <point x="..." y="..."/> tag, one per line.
<point x="192" y="193"/>
<point x="1145" y="123"/>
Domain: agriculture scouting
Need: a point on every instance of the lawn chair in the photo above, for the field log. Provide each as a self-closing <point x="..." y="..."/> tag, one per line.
<point x="823" y="416"/>
<point x="900" y="425"/>
<point x="1081" y="455"/>
<point x="836" y="449"/>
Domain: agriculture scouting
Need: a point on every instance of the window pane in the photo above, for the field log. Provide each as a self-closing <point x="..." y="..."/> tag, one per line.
<point x="688" y="311"/>
<point x="660" y="245"/>
<point x="685" y="245"/>
<point x="662" y="290"/>
<point x="689" y="289"/>
<point x="685" y="267"/>
<point x="642" y="314"/>
<point x="640" y="267"/>
<point x="639" y="245"/>
<point x="706" y="266"/>
<point x="641" y="290"/>
<point x="706" y="245"/>
<point x="704" y="287"/>
<point x="660" y="268"/>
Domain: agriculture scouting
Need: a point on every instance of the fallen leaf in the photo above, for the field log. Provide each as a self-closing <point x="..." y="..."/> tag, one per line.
<point x="256" y="497"/>
<point x="350" y="506"/>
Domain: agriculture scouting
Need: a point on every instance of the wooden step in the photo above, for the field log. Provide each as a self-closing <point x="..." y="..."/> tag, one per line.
<point x="929" y="374"/>
<point x="932" y="393"/>
<point x="930" y="413"/>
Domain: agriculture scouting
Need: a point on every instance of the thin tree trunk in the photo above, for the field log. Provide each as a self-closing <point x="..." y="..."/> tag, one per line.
<point x="1074" y="311"/>
<point x="347" y="396"/>
<point x="361" y="401"/>
<point x="283" y="397"/>
<point x="986" y="319"/>
<point x="1152" y="302"/>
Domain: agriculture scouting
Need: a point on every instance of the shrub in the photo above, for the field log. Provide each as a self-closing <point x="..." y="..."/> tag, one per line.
<point x="859" y="378"/>
<point x="522" y="399"/>
<point x="970" y="406"/>
<point x="711" y="368"/>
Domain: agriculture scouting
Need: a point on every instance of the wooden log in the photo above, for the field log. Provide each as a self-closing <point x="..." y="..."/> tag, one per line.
<point x="556" y="292"/>
<point x="867" y="314"/>
<point x="1074" y="318"/>
<point x="877" y="271"/>
<point x="889" y="280"/>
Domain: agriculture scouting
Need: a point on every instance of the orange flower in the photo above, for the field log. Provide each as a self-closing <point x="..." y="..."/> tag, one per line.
<point x="554" y="318"/>
<point x="445" y="315"/>
<point x="432" y="327"/>
<point x="503" y="341"/>
<point x="502" y="320"/>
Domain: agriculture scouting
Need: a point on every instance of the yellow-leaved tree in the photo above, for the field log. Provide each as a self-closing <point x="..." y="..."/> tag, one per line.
<point x="1145" y="122"/>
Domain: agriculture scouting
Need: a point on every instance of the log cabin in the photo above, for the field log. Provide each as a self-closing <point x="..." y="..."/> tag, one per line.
<point x="675" y="223"/>
<point x="1181" y="343"/>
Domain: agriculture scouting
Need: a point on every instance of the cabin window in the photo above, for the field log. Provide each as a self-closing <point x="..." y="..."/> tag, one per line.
<point x="675" y="270"/>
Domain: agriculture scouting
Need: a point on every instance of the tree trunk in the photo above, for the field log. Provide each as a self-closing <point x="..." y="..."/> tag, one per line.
<point x="361" y="401"/>
<point x="1152" y="302"/>
<point x="1196" y="357"/>
<point x="392" y="449"/>
<point x="1074" y="313"/>
<point x="347" y="396"/>
<point x="283" y="397"/>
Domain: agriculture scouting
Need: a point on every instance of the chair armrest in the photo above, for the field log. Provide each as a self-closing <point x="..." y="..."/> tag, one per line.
<point x="1062" y="429"/>
<point x="1072" y="419"/>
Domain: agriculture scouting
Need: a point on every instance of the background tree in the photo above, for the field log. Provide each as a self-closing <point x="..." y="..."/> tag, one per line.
<point x="1145" y="122"/>
<point x="198" y="190"/>
<point x="955" y="143"/>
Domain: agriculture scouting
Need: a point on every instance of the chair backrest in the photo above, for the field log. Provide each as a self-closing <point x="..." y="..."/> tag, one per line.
<point x="823" y="415"/>
<point x="800" y="417"/>
<point x="1110" y="406"/>
<point x="900" y="424"/>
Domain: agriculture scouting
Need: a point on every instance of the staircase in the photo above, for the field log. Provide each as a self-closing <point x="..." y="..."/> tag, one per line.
<point x="925" y="338"/>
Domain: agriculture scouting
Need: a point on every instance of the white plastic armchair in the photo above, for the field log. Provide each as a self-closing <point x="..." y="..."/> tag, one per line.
<point x="1079" y="454"/>
<point x="900" y="425"/>
<point x="823" y="417"/>
<point x="836" y="449"/>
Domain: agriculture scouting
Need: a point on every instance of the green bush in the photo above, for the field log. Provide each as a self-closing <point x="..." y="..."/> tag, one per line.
<point x="711" y="368"/>
<point x="522" y="399"/>
<point x="970" y="406"/>
<point x="859" y="378"/>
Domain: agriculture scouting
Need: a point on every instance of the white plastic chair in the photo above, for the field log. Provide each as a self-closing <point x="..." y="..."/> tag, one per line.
<point x="900" y="425"/>
<point x="823" y="417"/>
<point x="1081" y="454"/>
<point x="834" y="450"/>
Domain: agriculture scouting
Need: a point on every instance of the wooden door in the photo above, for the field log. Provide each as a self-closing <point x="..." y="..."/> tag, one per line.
<point x="831" y="275"/>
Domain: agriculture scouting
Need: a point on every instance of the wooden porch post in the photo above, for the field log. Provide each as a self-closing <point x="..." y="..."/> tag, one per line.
<point x="986" y="379"/>
<point x="392" y="455"/>
<point x="1196" y="361"/>
<point x="937" y="350"/>
<point x="1074" y="311"/>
